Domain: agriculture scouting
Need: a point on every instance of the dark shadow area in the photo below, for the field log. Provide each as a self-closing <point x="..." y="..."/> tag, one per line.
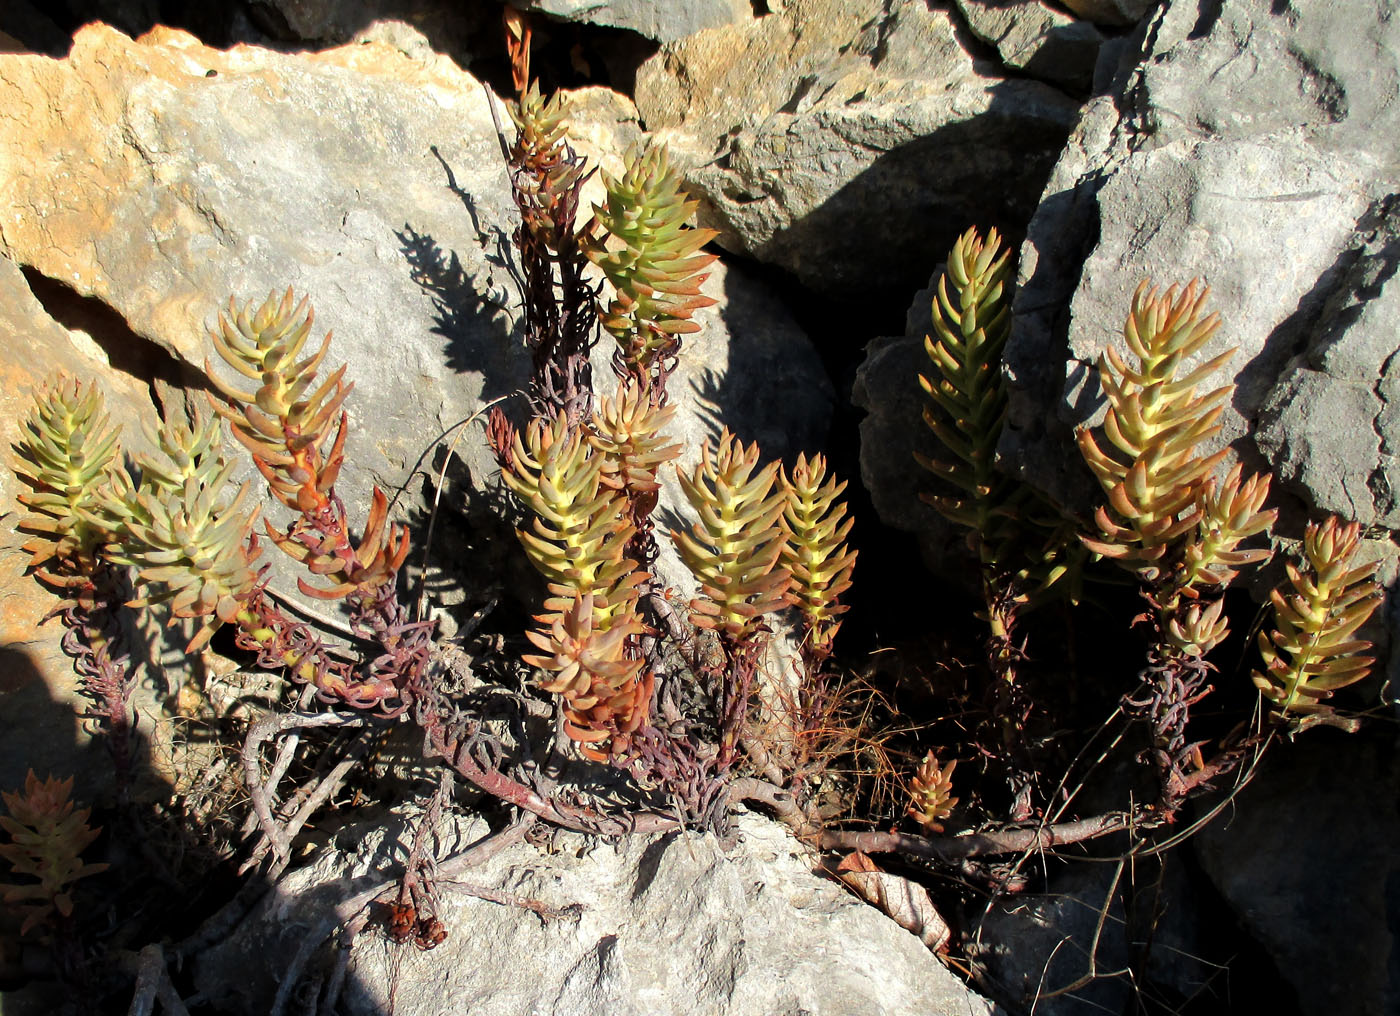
<point x="126" y="351"/>
<point x="167" y="869"/>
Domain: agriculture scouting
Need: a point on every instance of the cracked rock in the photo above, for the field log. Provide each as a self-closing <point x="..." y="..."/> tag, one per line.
<point x="850" y="141"/>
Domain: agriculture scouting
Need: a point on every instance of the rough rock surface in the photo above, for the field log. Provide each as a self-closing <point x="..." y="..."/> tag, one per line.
<point x="670" y="925"/>
<point x="662" y="20"/>
<point x="1308" y="861"/>
<point x="160" y="176"/>
<point x="1039" y="39"/>
<point x="1274" y="186"/>
<point x="850" y="141"/>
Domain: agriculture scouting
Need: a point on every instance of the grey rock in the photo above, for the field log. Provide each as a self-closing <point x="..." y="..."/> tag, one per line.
<point x="1307" y="860"/>
<point x="662" y="20"/>
<point x="850" y="142"/>
<point x="670" y="925"/>
<point x="1332" y="422"/>
<point x="1039" y="39"/>
<point x="1268" y="185"/>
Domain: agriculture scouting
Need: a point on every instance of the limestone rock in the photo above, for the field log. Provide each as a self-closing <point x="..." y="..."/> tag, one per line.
<point x="662" y="20"/>
<point x="1271" y="186"/>
<point x="1039" y="39"/>
<point x="670" y="925"/>
<point x="850" y="141"/>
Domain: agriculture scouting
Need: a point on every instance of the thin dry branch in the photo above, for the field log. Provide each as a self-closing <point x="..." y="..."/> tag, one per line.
<point x="989" y="843"/>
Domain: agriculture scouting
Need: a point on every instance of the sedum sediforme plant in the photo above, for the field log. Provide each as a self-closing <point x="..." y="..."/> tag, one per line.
<point x="579" y="541"/>
<point x="652" y="259"/>
<point x="185" y="539"/>
<point x="67" y="452"/>
<point x="606" y="691"/>
<point x="734" y="552"/>
<point x="1312" y="649"/>
<point x="1024" y="545"/>
<point x="815" y="552"/>
<point x="735" y="548"/>
<point x="1020" y="540"/>
<point x="930" y="793"/>
<point x="547" y="178"/>
<point x="1169" y="519"/>
<point x="48" y="834"/>
<point x="579" y="536"/>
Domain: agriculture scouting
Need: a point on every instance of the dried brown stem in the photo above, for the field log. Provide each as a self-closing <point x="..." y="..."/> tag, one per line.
<point x="784" y="805"/>
<point x="278" y="838"/>
<point x="990" y="843"/>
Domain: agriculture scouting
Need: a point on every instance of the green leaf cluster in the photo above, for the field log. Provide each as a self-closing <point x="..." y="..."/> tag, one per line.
<point x="735" y="548"/>
<point x="1312" y="650"/>
<point x="1168" y="519"/>
<point x="67" y="452"/>
<point x="651" y="258"/>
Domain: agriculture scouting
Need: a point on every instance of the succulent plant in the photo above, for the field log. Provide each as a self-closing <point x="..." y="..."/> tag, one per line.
<point x="815" y="551"/>
<point x="186" y="540"/>
<point x="734" y="549"/>
<point x="580" y="534"/>
<point x="560" y="301"/>
<point x="1152" y="472"/>
<point x="48" y="835"/>
<point x="541" y="149"/>
<point x="1168" y="519"/>
<point x="284" y="422"/>
<point x="627" y="434"/>
<point x="930" y="793"/>
<point x="607" y="694"/>
<point x="1312" y="651"/>
<point x="1025" y="544"/>
<point x="971" y="324"/>
<point x="651" y="258"/>
<point x="1231" y="510"/>
<point x="67" y="452"/>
